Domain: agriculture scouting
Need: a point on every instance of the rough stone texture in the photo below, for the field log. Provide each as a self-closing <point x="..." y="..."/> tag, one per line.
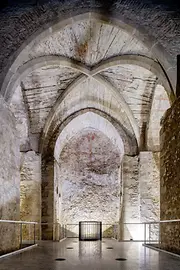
<point x="89" y="41"/>
<point x="160" y="104"/>
<point x="30" y="195"/>
<point x="96" y="96"/>
<point x="141" y="195"/>
<point x="9" y="179"/>
<point x="44" y="88"/>
<point x="170" y="177"/>
<point x="130" y="211"/>
<point x="41" y="89"/>
<point x="149" y="176"/>
<point x="68" y="72"/>
<point x="137" y="87"/>
<point x="90" y="180"/>
<point x="149" y="179"/>
<point x="123" y="93"/>
<point x="57" y="193"/>
<point x="17" y="106"/>
<point x="47" y="197"/>
<point x="84" y="121"/>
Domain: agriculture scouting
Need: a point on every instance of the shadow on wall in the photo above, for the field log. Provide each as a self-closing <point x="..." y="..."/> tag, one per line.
<point x="108" y="232"/>
<point x="30" y="210"/>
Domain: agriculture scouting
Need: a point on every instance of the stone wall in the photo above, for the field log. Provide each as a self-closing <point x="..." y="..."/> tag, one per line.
<point x="9" y="179"/>
<point x="90" y="180"/>
<point x="131" y="204"/>
<point x="141" y="195"/>
<point x="30" y="196"/>
<point x="149" y="179"/>
<point x="170" y="177"/>
<point x="47" y="170"/>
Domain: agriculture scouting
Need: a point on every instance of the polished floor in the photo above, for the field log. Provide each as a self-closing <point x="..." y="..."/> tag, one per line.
<point x="90" y="255"/>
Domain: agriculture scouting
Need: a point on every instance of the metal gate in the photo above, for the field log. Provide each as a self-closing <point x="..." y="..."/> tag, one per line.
<point x="90" y="230"/>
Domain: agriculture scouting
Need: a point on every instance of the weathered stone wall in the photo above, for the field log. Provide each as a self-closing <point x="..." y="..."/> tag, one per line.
<point x="170" y="177"/>
<point x="57" y="218"/>
<point x="149" y="179"/>
<point x="149" y="176"/>
<point x="30" y="195"/>
<point x="90" y="179"/>
<point x="47" y="189"/>
<point x="131" y="205"/>
<point x="160" y="104"/>
<point x="141" y="194"/>
<point x="9" y="179"/>
<point x="18" y="108"/>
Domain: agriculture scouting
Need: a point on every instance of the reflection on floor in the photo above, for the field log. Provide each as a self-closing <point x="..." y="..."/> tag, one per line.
<point x="90" y="255"/>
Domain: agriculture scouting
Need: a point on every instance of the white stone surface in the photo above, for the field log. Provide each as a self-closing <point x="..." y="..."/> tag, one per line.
<point x="149" y="178"/>
<point x="137" y="85"/>
<point x="30" y="204"/>
<point x="20" y="111"/>
<point x="52" y="94"/>
<point x="88" y="41"/>
<point x="128" y="88"/>
<point x="89" y="179"/>
<point x="30" y="195"/>
<point x="160" y="104"/>
<point x="90" y="94"/>
<point x="41" y="90"/>
<point x="9" y="178"/>
<point x="85" y="121"/>
<point x="130" y="212"/>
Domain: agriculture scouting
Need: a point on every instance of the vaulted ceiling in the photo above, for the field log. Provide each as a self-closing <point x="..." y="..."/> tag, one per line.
<point x="87" y="63"/>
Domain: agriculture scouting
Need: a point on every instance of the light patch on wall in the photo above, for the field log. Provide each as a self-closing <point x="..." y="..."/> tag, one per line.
<point x="89" y="178"/>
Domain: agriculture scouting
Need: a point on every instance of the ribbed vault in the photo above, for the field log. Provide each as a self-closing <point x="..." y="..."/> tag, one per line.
<point x="86" y="63"/>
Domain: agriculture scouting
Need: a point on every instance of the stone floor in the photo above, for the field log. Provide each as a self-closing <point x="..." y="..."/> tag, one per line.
<point x="90" y="255"/>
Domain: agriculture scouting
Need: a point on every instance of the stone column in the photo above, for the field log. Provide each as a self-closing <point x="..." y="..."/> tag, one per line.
<point x="47" y="197"/>
<point x="131" y="205"/>
<point x="9" y="180"/>
<point x="57" y="201"/>
<point x="30" y="202"/>
<point x="149" y="179"/>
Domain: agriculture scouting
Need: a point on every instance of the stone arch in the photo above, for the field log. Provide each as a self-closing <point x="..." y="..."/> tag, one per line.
<point x="86" y="124"/>
<point x="129" y="141"/>
<point x="130" y="148"/>
<point x="143" y="61"/>
<point x="139" y="60"/>
<point x="88" y="120"/>
<point x="156" y="49"/>
<point x="52" y="60"/>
